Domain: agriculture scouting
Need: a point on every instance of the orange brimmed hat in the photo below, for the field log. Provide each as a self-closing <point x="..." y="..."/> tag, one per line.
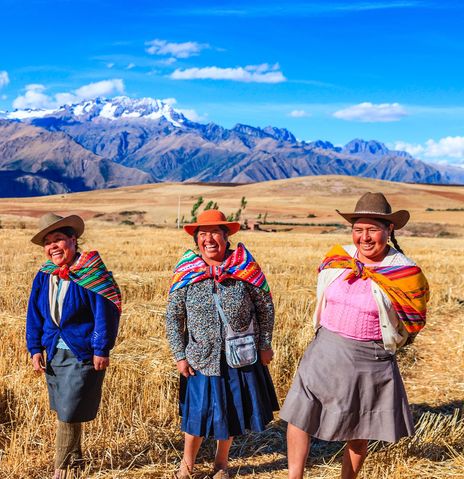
<point x="212" y="218"/>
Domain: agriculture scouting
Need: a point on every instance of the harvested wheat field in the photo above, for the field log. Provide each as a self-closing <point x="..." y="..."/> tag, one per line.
<point x="136" y="434"/>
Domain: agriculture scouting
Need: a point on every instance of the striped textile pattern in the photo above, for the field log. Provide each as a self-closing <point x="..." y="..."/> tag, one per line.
<point x="240" y="265"/>
<point x="405" y="286"/>
<point x="90" y="272"/>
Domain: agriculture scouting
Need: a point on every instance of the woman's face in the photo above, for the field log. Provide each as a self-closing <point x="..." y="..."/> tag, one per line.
<point x="59" y="248"/>
<point x="370" y="238"/>
<point x="212" y="242"/>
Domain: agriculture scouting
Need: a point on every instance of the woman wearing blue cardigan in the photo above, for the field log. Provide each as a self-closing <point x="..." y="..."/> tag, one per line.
<point x="72" y="323"/>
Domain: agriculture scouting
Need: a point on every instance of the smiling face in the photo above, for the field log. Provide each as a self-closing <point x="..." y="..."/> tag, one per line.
<point x="60" y="248"/>
<point x="212" y="242"/>
<point x="370" y="238"/>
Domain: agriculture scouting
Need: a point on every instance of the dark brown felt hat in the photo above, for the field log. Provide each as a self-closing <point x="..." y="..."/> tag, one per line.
<point x="376" y="206"/>
<point x="50" y="222"/>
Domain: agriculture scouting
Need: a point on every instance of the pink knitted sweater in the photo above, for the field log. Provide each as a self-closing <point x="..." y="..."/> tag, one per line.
<point x="351" y="310"/>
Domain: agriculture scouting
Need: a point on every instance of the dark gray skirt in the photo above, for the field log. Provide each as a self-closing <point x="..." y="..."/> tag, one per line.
<point x="74" y="387"/>
<point x="346" y="389"/>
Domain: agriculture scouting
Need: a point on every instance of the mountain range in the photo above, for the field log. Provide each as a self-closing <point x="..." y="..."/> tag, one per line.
<point x="107" y="143"/>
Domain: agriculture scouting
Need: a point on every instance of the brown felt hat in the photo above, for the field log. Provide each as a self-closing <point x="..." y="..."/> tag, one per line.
<point x="212" y="218"/>
<point x="376" y="206"/>
<point x="50" y="222"/>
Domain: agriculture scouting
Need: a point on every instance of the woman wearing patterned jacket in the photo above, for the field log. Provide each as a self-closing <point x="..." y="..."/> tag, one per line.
<point x="73" y="315"/>
<point x="215" y="399"/>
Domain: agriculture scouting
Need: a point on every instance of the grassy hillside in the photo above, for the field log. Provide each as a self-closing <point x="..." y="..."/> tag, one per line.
<point x="300" y="200"/>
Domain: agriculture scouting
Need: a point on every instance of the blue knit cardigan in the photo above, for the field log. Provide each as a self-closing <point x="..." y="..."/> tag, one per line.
<point x="89" y="322"/>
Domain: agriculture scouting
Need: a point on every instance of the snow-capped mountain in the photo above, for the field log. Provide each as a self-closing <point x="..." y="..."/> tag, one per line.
<point x="26" y="114"/>
<point x="105" y="143"/>
<point x="120" y="107"/>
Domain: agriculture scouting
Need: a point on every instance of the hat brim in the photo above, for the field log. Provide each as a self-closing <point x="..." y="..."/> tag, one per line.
<point x="73" y="221"/>
<point x="398" y="218"/>
<point x="232" y="226"/>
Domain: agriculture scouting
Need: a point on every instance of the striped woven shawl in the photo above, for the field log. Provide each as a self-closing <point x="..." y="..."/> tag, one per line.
<point x="240" y="265"/>
<point x="405" y="286"/>
<point x="90" y="272"/>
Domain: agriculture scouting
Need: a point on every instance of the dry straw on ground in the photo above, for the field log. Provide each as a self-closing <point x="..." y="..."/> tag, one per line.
<point x="136" y="434"/>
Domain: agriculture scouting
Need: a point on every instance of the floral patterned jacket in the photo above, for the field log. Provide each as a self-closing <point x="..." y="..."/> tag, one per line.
<point x="195" y="331"/>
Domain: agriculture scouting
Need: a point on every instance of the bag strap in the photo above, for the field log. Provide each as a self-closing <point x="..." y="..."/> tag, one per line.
<point x="223" y="316"/>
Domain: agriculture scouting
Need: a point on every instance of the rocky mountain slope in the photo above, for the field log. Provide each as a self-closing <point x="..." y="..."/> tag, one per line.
<point x="35" y="161"/>
<point x="105" y="143"/>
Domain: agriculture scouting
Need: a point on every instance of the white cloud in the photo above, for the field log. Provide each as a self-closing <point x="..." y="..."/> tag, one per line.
<point x="32" y="98"/>
<point x="167" y="61"/>
<point x="414" y="150"/>
<point x="177" y="50"/>
<point x="298" y="113"/>
<point x="369" y="112"/>
<point x="4" y="78"/>
<point x="189" y="113"/>
<point x="4" y="97"/>
<point x="130" y="66"/>
<point x="100" y="88"/>
<point x="448" y="149"/>
<point x="263" y="73"/>
<point x="110" y="65"/>
<point x="36" y="86"/>
<point x="292" y="9"/>
<point x="169" y="101"/>
<point x="35" y="96"/>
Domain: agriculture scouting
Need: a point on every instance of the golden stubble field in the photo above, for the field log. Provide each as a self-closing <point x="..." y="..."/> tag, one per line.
<point x="136" y="434"/>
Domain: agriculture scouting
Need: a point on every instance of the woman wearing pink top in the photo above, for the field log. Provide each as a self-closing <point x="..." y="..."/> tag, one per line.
<point x="370" y="301"/>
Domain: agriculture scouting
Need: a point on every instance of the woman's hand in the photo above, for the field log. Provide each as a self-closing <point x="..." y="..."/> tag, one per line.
<point x="184" y="368"/>
<point x="100" y="363"/>
<point x="38" y="362"/>
<point x="266" y="356"/>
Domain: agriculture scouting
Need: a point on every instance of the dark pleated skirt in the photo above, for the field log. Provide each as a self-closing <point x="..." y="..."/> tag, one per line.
<point x="346" y="389"/>
<point x="74" y="387"/>
<point x="227" y="405"/>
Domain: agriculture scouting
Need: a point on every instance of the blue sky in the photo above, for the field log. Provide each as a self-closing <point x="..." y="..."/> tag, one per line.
<point x="333" y="70"/>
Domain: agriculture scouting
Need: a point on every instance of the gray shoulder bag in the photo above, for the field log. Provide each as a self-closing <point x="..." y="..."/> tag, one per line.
<point x="240" y="347"/>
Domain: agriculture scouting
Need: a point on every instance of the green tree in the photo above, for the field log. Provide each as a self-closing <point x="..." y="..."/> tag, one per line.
<point x="236" y="216"/>
<point x="195" y="208"/>
<point x="209" y="206"/>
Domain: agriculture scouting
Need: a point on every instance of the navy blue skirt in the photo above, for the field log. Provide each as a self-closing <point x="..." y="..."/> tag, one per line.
<point x="227" y="405"/>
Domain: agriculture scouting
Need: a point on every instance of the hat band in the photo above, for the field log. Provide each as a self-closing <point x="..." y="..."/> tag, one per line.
<point x="371" y="213"/>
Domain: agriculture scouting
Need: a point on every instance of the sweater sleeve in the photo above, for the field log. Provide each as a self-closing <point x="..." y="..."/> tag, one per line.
<point x="106" y="317"/>
<point x="34" y="319"/>
<point x="264" y="308"/>
<point x="176" y="320"/>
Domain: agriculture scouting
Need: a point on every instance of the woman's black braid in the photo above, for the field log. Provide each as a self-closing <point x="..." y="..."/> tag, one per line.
<point x="395" y="242"/>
